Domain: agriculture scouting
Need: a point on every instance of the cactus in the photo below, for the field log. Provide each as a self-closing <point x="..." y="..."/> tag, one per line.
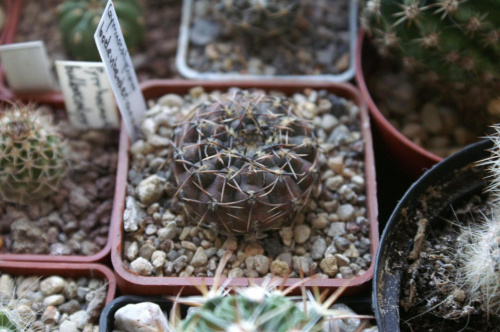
<point x="32" y="156"/>
<point x="454" y="43"/>
<point x="78" y="21"/>
<point x="245" y="162"/>
<point x="257" y="18"/>
<point x="480" y="272"/>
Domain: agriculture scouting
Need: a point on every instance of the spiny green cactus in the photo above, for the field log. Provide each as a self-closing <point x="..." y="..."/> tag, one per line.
<point x="245" y="162"/>
<point x="452" y="41"/>
<point x="5" y="323"/>
<point x="78" y="20"/>
<point x="257" y="18"/>
<point x="32" y="155"/>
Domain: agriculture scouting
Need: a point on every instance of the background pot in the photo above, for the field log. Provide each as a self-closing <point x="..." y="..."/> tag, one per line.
<point x="412" y="158"/>
<point x="56" y="101"/>
<point x="67" y="270"/>
<point x="188" y="72"/>
<point x="131" y="283"/>
<point x="459" y="178"/>
<point x="361" y="305"/>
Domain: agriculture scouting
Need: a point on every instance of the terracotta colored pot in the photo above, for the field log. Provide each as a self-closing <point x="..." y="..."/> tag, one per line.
<point x="56" y="101"/>
<point x="90" y="270"/>
<point x="132" y="283"/>
<point x="413" y="158"/>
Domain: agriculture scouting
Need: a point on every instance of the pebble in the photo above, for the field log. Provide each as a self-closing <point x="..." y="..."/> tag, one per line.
<point x="158" y="258"/>
<point x="188" y="245"/>
<point x="131" y="251"/>
<point x="52" y="285"/>
<point x="318" y="248"/>
<point x="329" y="266"/>
<point x="147" y="250"/>
<point x="301" y="233"/>
<point x="286" y="234"/>
<point x="236" y="273"/>
<point x="337" y="229"/>
<point x="51" y="315"/>
<point x="145" y="316"/>
<point x="253" y="249"/>
<point x="150" y="189"/>
<point x="200" y="258"/>
<point x="68" y="326"/>
<point x="280" y="268"/>
<point x="261" y="264"/>
<point x="53" y="300"/>
<point x="320" y="222"/>
<point x="141" y="266"/>
<point x="345" y="212"/>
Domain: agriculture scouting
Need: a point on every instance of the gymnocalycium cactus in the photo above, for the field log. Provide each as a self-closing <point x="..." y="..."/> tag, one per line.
<point x="78" y="21"/>
<point x="245" y="162"/>
<point x="257" y="18"/>
<point x="32" y="155"/>
<point x="449" y="41"/>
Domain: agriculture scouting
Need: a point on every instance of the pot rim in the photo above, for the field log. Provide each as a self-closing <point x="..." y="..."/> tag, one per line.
<point x="130" y="283"/>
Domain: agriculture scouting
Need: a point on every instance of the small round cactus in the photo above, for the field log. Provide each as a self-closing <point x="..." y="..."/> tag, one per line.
<point x="257" y="18"/>
<point x="245" y="162"/>
<point x="78" y="20"/>
<point x="32" y="156"/>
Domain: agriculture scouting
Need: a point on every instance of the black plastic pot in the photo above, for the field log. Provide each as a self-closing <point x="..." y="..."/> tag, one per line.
<point x="361" y="305"/>
<point x="456" y="178"/>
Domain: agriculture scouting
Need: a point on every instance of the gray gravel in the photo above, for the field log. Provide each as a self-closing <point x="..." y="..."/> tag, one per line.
<point x="54" y="303"/>
<point x="332" y="231"/>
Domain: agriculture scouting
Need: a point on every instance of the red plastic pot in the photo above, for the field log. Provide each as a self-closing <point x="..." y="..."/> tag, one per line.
<point x="56" y="100"/>
<point x="68" y="270"/>
<point x="414" y="159"/>
<point x="132" y="283"/>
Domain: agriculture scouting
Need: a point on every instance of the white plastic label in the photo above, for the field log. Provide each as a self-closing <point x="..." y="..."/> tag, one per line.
<point x="121" y="74"/>
<point x="87" y="94"/>
<point x="26" y="67"/>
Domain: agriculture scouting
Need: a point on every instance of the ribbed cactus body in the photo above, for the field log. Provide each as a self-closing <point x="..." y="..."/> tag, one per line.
<point x="78" y="20"/>
<point x="245" y="162"/>
<point x="453" y="41"/>
<point x="258" y="18"/>
<point x="32" y="156"/>
<point x="272" y="312"/>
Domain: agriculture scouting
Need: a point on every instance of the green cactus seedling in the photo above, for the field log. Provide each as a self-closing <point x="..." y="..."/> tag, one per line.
<point x="78" y="20"/>
<point x="32" y="156"/>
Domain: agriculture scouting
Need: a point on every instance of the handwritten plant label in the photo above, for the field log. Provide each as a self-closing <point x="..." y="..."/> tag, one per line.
<point x="26" y="67"/>
<point x="87" y="94"/>
<point x="121" y="74"/>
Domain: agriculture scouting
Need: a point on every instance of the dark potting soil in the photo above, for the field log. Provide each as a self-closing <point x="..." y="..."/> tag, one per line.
<point x="155" y="59"/>
<point x="432" y="298"/>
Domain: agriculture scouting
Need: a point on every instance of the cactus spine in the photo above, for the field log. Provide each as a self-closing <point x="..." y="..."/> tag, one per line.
<point x="245" y="162"/>
<point x="32" y="156"/>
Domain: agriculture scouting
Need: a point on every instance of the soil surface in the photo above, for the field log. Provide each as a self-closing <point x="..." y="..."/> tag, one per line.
<point x="433" y="297"/>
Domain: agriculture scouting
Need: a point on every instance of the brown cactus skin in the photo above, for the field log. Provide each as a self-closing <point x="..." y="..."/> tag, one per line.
<point x="245" y="163"/>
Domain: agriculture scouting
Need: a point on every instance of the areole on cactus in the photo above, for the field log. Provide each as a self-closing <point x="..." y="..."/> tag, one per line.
<point x="456" y="42"/>
<point x="257" y="18"/>
<point x="78" y="22"/>
<point x="32" y="155"/>
<point x="246" y="162"/>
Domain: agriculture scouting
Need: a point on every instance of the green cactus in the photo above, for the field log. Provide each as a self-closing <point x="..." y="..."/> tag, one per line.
<point x="5" y="323"/>
<point x="245" y="162"/>
<point x="78" y="20"/>
<point x="455" y="43"/>
<point x="257" y="18"/>
<point x="32" y="156"/>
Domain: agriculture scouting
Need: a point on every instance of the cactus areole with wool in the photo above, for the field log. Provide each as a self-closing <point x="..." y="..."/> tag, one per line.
<point x="245" y="162"/>
<point x="78" y="20"/>
<point x="32" y="156"/>
<point x="454" y="41"/>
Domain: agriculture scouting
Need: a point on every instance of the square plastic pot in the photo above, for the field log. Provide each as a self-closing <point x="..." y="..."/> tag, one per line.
<point x="132" y="283"/>
<point x="67" y="270"/>
<point x="188" y="72"/>
<point x="56" y="101"/>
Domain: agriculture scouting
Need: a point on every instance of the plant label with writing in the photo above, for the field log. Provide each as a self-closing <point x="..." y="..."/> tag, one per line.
<point x="121" y="74"/>
<point x="26" y="67"/>
<point x="87" y="94"/>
